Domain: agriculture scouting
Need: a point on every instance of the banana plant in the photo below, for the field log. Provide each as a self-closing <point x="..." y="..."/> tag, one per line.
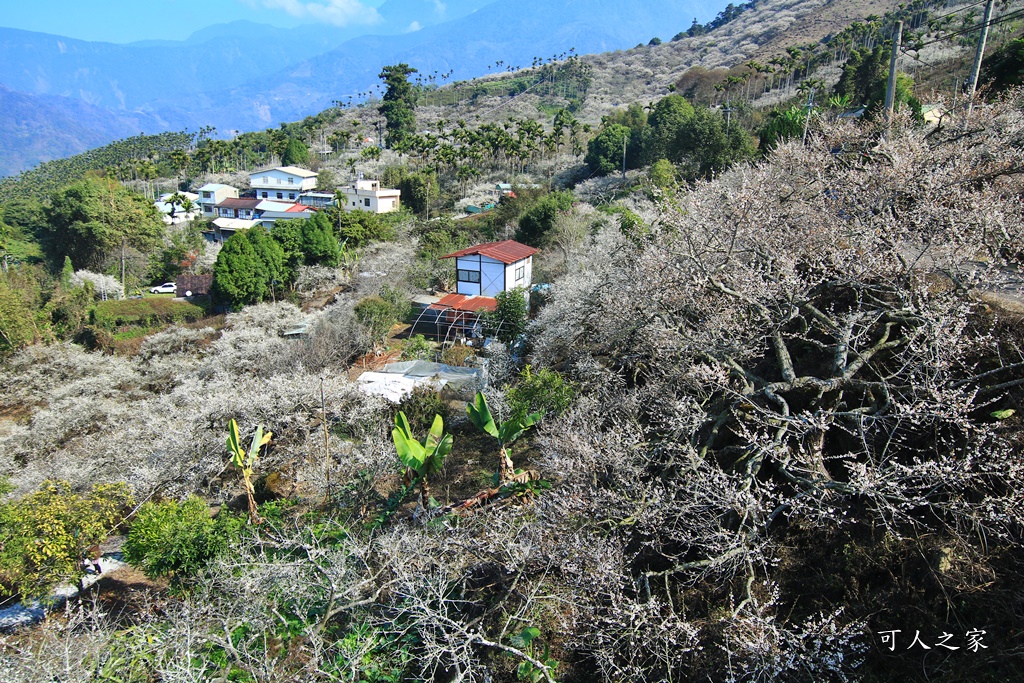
<point x="505" y="432"/>
<point x="246" y="462"/>
<point x="422" y="459"/>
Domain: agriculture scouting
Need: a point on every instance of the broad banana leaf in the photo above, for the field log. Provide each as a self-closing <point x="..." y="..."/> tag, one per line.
<point x="435" y="459"/>
<point x="435" y="434"/>
<point x="480" y="415"/>
<point x="234" y="445"/>
<point x="259" y="440"/>
<point x="513" y="429"/>
<point x="409" y="450"/>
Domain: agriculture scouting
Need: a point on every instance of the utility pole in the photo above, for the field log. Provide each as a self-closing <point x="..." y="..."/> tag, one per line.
<point x="807" y="119"/>
<point x="890" y="87"/>
<point x="976" y="69"/>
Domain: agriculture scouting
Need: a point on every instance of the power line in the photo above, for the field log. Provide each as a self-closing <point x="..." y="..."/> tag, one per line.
<point x="1002" y="19"/>
<point x="959" y="9"/>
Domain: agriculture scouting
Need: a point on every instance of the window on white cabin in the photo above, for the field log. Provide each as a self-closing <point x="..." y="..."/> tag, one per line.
<point x="520" y="272"/>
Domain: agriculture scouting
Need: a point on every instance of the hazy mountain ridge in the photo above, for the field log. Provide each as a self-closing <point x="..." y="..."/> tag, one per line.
<point x="34" y="129"/>
<point x="234" y="82"/>
<point x="513" y="34"/>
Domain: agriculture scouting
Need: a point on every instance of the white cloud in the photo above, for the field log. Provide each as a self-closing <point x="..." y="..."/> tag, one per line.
<point x="337" y="12"/>
<point x="413" y="27"/>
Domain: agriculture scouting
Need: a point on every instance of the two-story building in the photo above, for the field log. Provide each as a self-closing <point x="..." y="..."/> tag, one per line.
<point x="212" y="194"/>
<point x="244" y="208"/>
<point x="368" y="195"/>
<point x="486" y="269"/>
<point x="284" y="183"/>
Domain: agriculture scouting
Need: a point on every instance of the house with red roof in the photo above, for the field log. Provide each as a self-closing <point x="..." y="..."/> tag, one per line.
<point x="483" y="271"/>
<point x="486" y="269"/>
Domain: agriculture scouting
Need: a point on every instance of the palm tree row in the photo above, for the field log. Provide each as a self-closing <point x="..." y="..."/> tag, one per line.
<point x="783" y="72"/>
<point x="511" y="145"/>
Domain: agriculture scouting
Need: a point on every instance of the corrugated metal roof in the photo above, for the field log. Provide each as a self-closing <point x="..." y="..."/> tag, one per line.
<point x="506" y="251"/>
<point x="238" y="203"/>
<point x="461" y="302"/>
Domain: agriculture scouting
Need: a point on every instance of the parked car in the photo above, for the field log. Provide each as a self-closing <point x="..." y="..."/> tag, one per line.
<point x="165" y="288"/>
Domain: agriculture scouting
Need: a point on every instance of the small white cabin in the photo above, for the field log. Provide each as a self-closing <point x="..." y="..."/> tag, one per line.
<point x="486" y="269"/>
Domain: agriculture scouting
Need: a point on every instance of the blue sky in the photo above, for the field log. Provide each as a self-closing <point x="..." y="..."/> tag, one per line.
<point x="125" y="21"/>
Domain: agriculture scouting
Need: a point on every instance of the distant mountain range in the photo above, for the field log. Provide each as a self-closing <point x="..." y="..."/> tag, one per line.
<point x="67" y="95"/>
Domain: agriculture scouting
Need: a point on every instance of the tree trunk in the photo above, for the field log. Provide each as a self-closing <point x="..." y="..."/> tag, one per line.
<point x="506" y="470"/>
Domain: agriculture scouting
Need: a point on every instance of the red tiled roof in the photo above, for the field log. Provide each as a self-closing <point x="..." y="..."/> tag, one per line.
<point x="508" y="251"/>
<point x="240" y="203"/>
<point x="296" y="208"/>
<point x="461" y="302"/>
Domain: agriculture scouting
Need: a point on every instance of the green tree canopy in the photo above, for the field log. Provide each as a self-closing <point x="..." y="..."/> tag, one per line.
<point x="399" y="102"/>
<point x="17" y="328"/>
<point x="238" y="274"/>
<point x="538" y="220"/>
<point x="295" y="153"/>
<point x="508" y="320"/>
<point x="781" y="126"/>
<point x="633" y="117"/>
<point x="604" y="152"/>
<point x="706" y="148"/>
<point x="862" y="73"/>
<point x="1005" y="67"/>
<point x="669" y="115"/>
<point x="96" y="217"/>
<point x="319" y="244"/>
<point x="271" y="257"/>
<point x="45" y="535"/>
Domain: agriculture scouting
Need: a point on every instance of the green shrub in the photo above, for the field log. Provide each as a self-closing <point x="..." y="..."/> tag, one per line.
<point x="178" y="539"/>
<point x="457" y="355"/>
<point x="45" y="535"/>
<point x="539" y="219"/>
<point x="508" y="320"/>
<point x="377" y="316"/>
<point x="421" y="406"/>
<point x="545" y="391"/>
<point x="417" y="348"/>
<point x="112" y="315"/>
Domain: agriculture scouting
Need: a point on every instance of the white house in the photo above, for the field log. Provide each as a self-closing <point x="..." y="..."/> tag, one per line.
<point x="367" y="195"/>
<point x="212" y="194"/>
<point x="173" y="215"/>
<point x="486" y="269"/>
<point x="282" y="183"/>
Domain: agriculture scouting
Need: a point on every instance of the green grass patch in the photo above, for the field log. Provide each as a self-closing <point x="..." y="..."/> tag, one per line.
<point x="145" y="313"/>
